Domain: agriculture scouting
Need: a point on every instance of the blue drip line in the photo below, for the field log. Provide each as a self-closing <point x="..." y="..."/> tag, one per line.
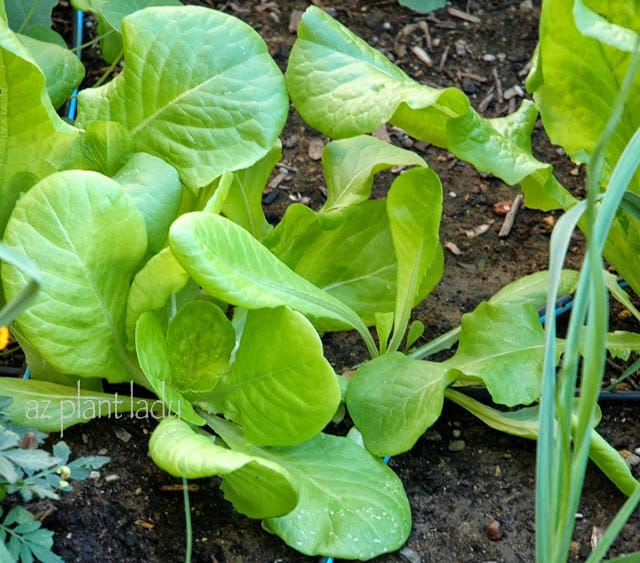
<point x="79" y="24"/>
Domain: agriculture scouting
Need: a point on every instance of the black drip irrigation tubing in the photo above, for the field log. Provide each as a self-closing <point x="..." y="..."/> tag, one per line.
<point x="562" y="305"/>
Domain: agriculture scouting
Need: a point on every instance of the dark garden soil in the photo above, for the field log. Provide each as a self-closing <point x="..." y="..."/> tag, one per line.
<point x="134" y="512"/>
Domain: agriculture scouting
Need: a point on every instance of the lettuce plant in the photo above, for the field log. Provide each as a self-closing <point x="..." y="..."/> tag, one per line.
<point x="143" y="220"/>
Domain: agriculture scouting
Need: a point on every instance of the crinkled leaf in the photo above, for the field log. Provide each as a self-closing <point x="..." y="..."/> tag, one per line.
<point x="206" y="97"/>
<point x="62" y="69"/>
<point x="34" y="140"/>
<point x="31" y="459"/>
<point x="200" y="339"/>
<point x="592" y="24"/>
<point x="155" y="188"/>
<point x="343" y="87"/>
<point x="268" y="491"/>
<point x="502" y="345"/>
<point x="393" y="399"/>
<point x="281" y="389"/>
<point x="153" y="355"/>
<point x="85" y="236"/>
<point x="575" y="84"/>
<point x="161" y="277"/>
<point x="233" y="266"/>
<point x="52" y="408"/>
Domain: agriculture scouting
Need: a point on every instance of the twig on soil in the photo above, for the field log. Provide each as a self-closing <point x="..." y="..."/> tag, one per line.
<point x="463" y="15"/>
<point x="443" y="59"/>
<point x="496" y="78"/>
<point x="510" y="217"/>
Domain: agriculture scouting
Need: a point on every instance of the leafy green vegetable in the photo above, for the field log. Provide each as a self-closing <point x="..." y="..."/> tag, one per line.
<point x="187" y="101"/>
<point x="85" y="236"/>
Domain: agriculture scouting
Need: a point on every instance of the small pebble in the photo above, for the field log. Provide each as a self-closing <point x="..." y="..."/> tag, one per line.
<point x="456" y="433"/>
<point x="121" y="434"/>
<point x="456" y="445"/>
<point x="494" y="530"/>
<point x="112" y="478"/>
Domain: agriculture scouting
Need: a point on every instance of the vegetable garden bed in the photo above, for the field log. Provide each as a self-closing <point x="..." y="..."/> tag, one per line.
<point x="470" y="488"/>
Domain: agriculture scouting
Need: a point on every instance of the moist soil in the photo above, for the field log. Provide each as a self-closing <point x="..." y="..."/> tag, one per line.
<point x="474" y="504"/>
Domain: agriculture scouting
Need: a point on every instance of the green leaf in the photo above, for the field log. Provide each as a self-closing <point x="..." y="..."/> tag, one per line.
<point x="281" y="390"/>
<point x="62" y="69"/>
<point x="161" y="277"/>
<point x="532" y="289"/>
<point x="200" y="340"/>
<point x="85" y="236"/>
<point x="34" y="141"/>
<point x="351" y="506"/>
<point x="356" y="89"/>
<point x="52" y="408"/>
<point x="393" y="399"/>
<point x="243" y="205"/>
<point x="233" y="266"/>
<point x="23" y="14"/>
<point x="592" y="24"/>
<point x="269" y="491"/>
<point x="350" y="165"/>
<point x="414" y="207"/>
<point x="206" y="98"/>
<point x="502" y="345"/>
<point x="114" y="11"/>
<point x="153" y="355"/>
<point x="155" y="188"/>
<point x="104" y="147"/>
<point x="423" y="6"/>
<point x="351" y="257"/>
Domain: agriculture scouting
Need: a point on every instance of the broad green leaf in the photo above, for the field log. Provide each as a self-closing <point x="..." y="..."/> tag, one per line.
<point x="23" y="14"/>
<point x="233" y="266"/>
<point x="351" y="505"/>
<point x="161" y="277"/>
<point x="104" y="147"/>
<point x="532" y="289"/>
<point x="269" y="488"/>
<point x="414" y="207"/>
<point x="85" y="236"/>
<point x="393" y="399"/>
<point x="350" y="164"/>
<point x="53" y="408"/>
<point x="155" y="188"/>
<point x="200" y="340"/>
<point x="34" y="141"/>
<point x="113" y="11"/>
<point x="281" y="389"/>
<point x="502" y="345"/>
<point x="243" y="205"/>
<point x="62" y="69"/>
<point x="153" y="355"/>
<point x="351" y="257"/>
<point x="206" y="97"/>
<point x="355" y="89"/>
<point x="576" y="82"/>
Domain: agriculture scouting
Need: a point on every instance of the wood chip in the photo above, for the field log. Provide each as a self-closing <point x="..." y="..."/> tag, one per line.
<point x="144" y="524"/>
<point x="422" y="55"/>
<point x="443" y="58"/>
<point x="463" y="15"/>
<point x="179" y="488"/>
<point x="424" y="27"/>
<point x="510" y="217"/>
<point x="477" y="231"/>
<point x="453" y="248"/>
<point x="294" y="20"/>
<point x="316" y="146"/>
<point x="496" y="79"/>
